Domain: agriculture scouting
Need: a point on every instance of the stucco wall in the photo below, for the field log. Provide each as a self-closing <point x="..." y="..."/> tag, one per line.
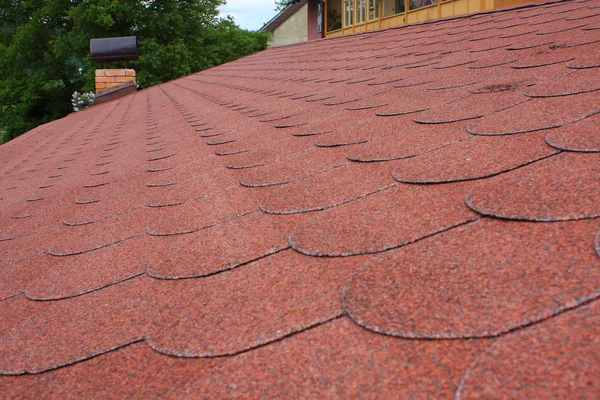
<point x="293" y="30"/>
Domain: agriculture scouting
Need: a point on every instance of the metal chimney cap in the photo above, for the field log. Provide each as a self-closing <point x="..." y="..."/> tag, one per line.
<point x="114" y="49"/>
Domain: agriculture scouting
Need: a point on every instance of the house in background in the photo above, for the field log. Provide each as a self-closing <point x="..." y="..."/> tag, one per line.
<point x="351" y="16"/>
<point x="304" y="20"/>
<point x="300" y="21"/>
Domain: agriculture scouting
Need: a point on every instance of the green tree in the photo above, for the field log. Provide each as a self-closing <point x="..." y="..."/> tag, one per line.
<point x="280" y="4"/>
<point x="44" y="49"/>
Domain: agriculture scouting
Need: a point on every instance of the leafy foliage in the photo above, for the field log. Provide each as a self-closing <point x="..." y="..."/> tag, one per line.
<point x="81" y="101"/>
<point x="44" y="49"/>
<point x="280" y="4"/>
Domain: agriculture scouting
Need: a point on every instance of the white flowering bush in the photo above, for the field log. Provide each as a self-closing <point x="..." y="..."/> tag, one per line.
<point x="81" y="101"/>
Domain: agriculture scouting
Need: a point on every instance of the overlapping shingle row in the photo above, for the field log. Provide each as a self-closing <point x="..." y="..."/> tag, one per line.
<point x="404" y="213"/>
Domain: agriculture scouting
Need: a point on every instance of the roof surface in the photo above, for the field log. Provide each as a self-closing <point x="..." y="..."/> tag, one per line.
<point x="407" y="213"/>
<point x="283" y="15"/>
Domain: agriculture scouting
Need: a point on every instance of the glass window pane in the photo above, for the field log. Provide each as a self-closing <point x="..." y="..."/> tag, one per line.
<point x="319" y="17"/>
<point x="349" y="12"/>
<point x="334" y="15"/>
<point x="360" y="11"/>
<point x="421" y="3"/>
<point x="373" y="9"/>
<point x="392" y="7"/>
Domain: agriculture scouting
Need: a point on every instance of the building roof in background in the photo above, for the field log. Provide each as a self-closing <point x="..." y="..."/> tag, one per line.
<point x="280" y="18"/>
<point x="410" y="212"/>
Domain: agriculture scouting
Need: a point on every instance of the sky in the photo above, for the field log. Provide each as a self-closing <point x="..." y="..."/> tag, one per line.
<point x="250" y="14"/>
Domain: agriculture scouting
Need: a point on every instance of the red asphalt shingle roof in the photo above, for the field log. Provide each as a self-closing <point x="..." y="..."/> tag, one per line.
<point x="295" y="223"/>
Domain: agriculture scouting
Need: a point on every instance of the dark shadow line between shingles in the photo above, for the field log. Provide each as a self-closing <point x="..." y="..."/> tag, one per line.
<point x="540" y="64"/>
<point x="319" y="99"/>
<point x="103" y="172"/>
<point x="485" y="114"/>
<point x="321" y="208"/>
<point x="383" y="249"/>
<point x="497" y="339"/>
<point x="160" y="185"/>
<point x="70" y="223"/>
<point x="376" y="160"/>
<point x="513" y="218"/>
<point x="95" y="185"/>
<point x="303" y="96"/>
<point x="157" y="205"/>
<point x="472" y="132"/>
<point x="52" y="253"/>
<point x="366" y="107"/>
<point x="342" y="102"/>
<point x="227" y="268"/>
<point x="251" y="111"/>
<point x="528" y="219"/>
<point x="96" y="289"/>
<point x="286" y="334"/>
<point x="580" y="67"/>
<point x="161" y="157"/>
<point x="26" y="372"/>
<point x="222" y="142"/>
<point x="541" y="33"/>
<point x="26" y="258"/>
<point x="212" y="134"/>
<point x="224" y="221"/>
<point x="171" y="97"/>
<point x="279" y="118"/>
<point x="271" y="161"/>
<point x="11" y="296"/>
<point x="291" y="125"/>
<point x="556" y="146"/>
<point x="448" y="121"/>
<point x="158" y="169"/>
<point x="339" y="143"/>
<point x="525" y="323"/>
<point x="246" y="166"/>
<point x="230" y="153"/>
<point x="116" y="196"/>
<point x="298" y="134"/>
<point x="42" y="229"/>
<point x="474" y="178"/>
<point x="147" y="151"/>
<point x="259" y="114"/>
<point x="294" y="179"/>
<point x="200" y="197"/>
<point x="545" y="96"/>
<point x="398" y="113"/>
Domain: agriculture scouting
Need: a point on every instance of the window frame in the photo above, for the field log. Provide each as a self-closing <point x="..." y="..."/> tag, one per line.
<point x="376" y="12"/>
<point x="348" y="3"/>
<point x="360" y="5"/>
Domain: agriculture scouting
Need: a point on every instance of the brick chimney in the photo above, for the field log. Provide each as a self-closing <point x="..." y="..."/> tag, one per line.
<point x="108" y="78"/>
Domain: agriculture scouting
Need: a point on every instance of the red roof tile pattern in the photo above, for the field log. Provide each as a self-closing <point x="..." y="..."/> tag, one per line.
<point x="538" y="360"/>
<point x="410" y="212"/>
